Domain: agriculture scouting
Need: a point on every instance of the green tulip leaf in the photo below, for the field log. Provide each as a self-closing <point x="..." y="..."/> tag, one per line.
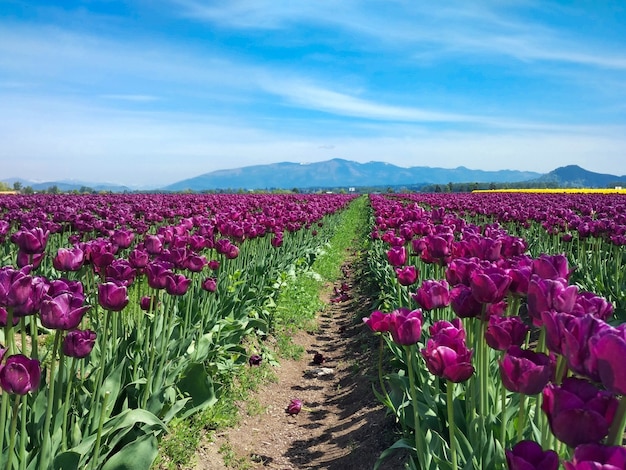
<point x="66" y="461"/>
<point x="138" y="455"/>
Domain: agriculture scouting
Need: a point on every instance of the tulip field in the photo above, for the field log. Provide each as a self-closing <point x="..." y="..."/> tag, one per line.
<point x="501" y="320"/>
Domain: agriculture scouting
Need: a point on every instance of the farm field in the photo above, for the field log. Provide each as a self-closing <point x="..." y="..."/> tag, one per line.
<point x="493" y="326"/>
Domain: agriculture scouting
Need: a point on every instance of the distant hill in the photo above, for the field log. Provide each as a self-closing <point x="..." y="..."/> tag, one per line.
<point x="339" y="172"/>
<point x="68" y="185"/>
<point x="573" y="176"/>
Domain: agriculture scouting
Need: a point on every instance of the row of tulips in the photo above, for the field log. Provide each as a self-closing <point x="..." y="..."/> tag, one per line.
<point x="501" y="360"/>
<point x="120" y="313"/>
<point x="589" y="228"/>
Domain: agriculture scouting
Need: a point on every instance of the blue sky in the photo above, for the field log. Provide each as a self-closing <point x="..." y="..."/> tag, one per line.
<point x="150" y="92"/>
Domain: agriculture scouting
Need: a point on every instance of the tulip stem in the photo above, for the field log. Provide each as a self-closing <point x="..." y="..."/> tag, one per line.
<point x="380" y="371"/>
<point x="616" y="433"/>
<point x="66" y="403"/>
<point x="46" y="427"/>
<point x="451" y="424"/>
<point x="503" y="416"/>
<point x="419" y="438"/>
<point x="96" y="452"/>
<point x="13" y="431"/>
<point x="521" y="417"/>
<point x="23" y="434"/>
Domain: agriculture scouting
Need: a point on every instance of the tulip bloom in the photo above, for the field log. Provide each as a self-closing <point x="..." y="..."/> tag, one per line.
<point x="68" y="259"/>
<point x="15" y="287"/>
<point x="397" y="256"/>
<point x="609" y="353"/>
<point x="112" y="296"/>
<point x="528" y="455"/>
<point x="578" y="412"/>
<point x="210" y="284"/>
<point x="432" y="294"/>
<point x="551" y="267"/>
<point x="525" y="371"/>
<point x="463" y="302"/>
<point x="407" y="275"/>
<point x="79" y="343"/>
<point x="378" y="321"/>
<point x="489" y="285"/>
<point x="446" y="353"/>
<point x="504" y="332"/>
<point x="597" y="457"/>
<point x="294" y="406"/>
<point x="177" y="284"/>
<point x="549" y="294"/>
<point x="62" y="312"/>
<point x="20" y="375"/>
<point x="406" y="326"/>
<point x="31" y="241"/>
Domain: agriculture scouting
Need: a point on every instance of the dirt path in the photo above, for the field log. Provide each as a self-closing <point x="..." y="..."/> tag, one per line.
<point x="345" y="429"/>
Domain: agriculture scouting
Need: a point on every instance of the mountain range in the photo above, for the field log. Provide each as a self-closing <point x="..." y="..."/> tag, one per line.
<point x="337" y="173"/>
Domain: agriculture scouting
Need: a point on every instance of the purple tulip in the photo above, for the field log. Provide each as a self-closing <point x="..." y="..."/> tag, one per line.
<point x="551" y="267"/>
<point x="20" y="375"/>
<point x="378" y="321"/>
<point x="31" y="241"/>
<point x="463" y="302"/>
<point x="123" y="238"/>
<point x="157" y="274"/>
<point x="121" y="272"/>
<point x="210" y="284"/>
<point x="597" y="457"/>
<point x="407" y="275"/>
<point x="579" y="344"/>
<point x="578" y="412"/>
<point x="177" y="284"/>
<point x="4" y="317"/>
<point x="146" y="302"/>
<point x="406" y="326"/>
<point x="528" y="455"/>
<point x="525" y="371"/>
<point x="592" y="304"/>
<point x="15" y="287"/>
<point x="25" y="259"/>
<point x="549" y="294"/>
<point x="460" y="270"/>
<point x="195" y="263"/>
<point x="504" y="332"/>
<point x="112" y="296"/>
<point x="79" y="343"/>
<point x="138" y="259"/>
<point x="432" y="294"/>
<point x="489" y="285"/>
<point x="446" y="353"/>
<point x="214" y="265"/>
<point x="62" y="312"/>
<point x="153" y="244"/>
<point x="397" y="256"/>
<point x="294" y="406"/>
<point x="609" y="353"/>
<point x="69" y="259"/>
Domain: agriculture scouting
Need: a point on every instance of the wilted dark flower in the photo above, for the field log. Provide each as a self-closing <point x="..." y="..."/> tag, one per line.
<point x="294" y="406"/>
<point x="255" y="360"/>
<point x="318" y="358"/>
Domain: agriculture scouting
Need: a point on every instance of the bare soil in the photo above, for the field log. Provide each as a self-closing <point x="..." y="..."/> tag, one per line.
<point x="343" y="427"/>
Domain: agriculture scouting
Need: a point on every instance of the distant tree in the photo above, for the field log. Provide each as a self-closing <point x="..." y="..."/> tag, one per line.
<point x="17" y="185"/>
<point x="28" y="190"/>
<point x="86" y="189"/>
<point x="4" y="187"/>
<point x="295" y="190"/>
<point x="437" y="188"/>
<point x="54" y="189"/>
<point x="492" y="186"/>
